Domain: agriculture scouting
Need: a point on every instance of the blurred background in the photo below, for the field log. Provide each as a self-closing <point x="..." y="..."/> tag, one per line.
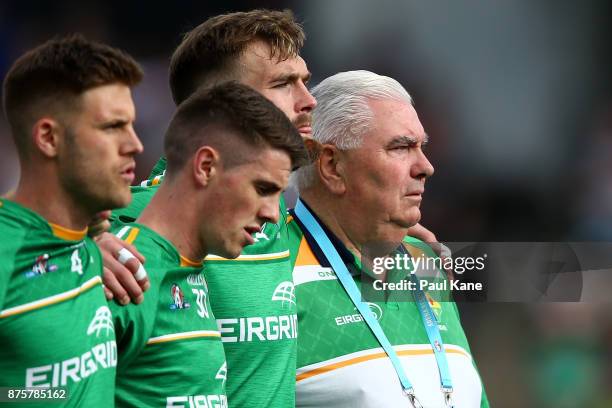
<point x="517" y="99"/>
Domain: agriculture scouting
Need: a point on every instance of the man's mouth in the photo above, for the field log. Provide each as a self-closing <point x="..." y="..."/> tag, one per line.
<point x="128" y="173"/>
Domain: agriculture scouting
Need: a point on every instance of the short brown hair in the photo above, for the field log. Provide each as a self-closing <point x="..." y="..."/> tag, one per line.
<point x="231" y="107"/>
<point x="208" y="53"/>
<point x="58" y="71"/>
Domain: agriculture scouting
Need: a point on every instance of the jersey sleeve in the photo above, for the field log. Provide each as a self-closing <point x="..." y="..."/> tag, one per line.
<point x="133" y="326"/>
<point x="8" y="249"/>
<point x="140" y="199"/>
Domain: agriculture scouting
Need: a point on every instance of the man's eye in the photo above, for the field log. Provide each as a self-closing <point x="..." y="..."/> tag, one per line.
<point x="114" y="126"/>
<point x="281" y="85"/>
<point x="265" y="190"/>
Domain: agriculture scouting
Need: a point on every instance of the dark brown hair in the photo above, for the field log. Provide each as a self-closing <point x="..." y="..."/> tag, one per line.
<point x="252" y="121"/>
<point x="55" y="74"/>
<point x="208" y="53"/>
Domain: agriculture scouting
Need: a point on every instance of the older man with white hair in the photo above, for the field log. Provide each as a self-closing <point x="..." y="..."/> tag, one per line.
<point x="364" y="190"/>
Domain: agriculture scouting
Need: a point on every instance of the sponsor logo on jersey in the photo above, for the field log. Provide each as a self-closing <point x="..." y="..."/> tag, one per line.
<point x="178" y="298"/>
<point x="197" y="401"/>
<point x="72" y="370"/>
<point x="257" y="328"/>
<point x="102" y="321"/>
<point x="356" y="317"/>
<point x="41" y="266"/>
<point x="264" y="328"/>
<point x="376" y="310"/>
<point x="285" y="293"/>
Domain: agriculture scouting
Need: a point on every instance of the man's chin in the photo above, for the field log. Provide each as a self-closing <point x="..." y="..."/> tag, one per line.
<point x="230" y="253"/>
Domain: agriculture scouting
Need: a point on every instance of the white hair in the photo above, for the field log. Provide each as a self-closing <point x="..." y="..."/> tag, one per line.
<point x="343" y="115"/>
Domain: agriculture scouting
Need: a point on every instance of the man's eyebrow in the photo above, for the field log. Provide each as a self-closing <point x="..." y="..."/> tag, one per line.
<point x="406" y="140"/>
<point x="291" y="77"/>
<point x="269" y="186"/>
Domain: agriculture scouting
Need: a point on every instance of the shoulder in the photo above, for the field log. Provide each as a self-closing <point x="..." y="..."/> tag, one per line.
<point x="141" y="196"/>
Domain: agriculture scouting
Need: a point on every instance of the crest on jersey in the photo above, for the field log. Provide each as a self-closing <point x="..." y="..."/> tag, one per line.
<point x="102" y="321"/>
<point x="284" y="292"/>
<point x="178" y="298"/>
<point x="41" y="266"/>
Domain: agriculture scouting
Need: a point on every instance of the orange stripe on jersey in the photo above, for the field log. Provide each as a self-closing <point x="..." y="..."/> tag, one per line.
<point x="305" y="255"/>
<point x="67" y="234"/>
<point x="360" y="359"/>
<point x="51" y="300"/>
<point x="289" y="219"/>
<point x="188" y="262"/>
<point x="132" y="235"/>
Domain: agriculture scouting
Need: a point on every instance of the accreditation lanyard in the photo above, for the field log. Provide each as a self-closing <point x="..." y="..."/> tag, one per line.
<point x="427" y="315"/>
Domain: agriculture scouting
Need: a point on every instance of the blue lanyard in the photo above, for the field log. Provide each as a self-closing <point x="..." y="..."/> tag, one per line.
<point x="427" y="315"/>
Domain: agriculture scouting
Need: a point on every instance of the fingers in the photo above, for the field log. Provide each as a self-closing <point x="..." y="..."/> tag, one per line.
<point x="96" y="229"/>
<point x="119" y="279"/>
<point x="133" y="251"/>
<point x="124" y="275"/>
<point x="422" y="233"/>
<point x="127" y="259"/>
<point x="114" y="288"/>
<point x="425" y="235"/>
<point x="107" y="293"/>
<point x="99" y="223"/>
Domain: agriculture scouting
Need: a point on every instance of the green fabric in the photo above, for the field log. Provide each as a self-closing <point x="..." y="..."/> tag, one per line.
<point x="170" y="351"/>
<point x="331" y="329"/>
<point x="68" y="343"/>
<point x="252" y="294"/>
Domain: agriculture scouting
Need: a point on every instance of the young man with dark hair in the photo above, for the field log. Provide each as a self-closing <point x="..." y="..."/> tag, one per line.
<point x="230" y="152"/>
<point x="257" y="317"/>
<point x="69" y="106"/>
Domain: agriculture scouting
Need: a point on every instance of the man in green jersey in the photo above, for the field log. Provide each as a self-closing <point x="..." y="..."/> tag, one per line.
<point x="259" y="48"/>
<point x="365" y="188"/>
<point x="69" y="106"/>
<point x="257" y="316"/>
<point x="229" y="155"/>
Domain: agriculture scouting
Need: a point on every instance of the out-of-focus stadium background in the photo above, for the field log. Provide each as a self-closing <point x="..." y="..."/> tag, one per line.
<point x="517" y="99"/>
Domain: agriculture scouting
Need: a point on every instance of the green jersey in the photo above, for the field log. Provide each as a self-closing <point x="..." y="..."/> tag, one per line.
<point x="340" y="363"/>
<point x="170" y="351"/>
<point x="253" y="300"/>
<point x="55" y="326"/>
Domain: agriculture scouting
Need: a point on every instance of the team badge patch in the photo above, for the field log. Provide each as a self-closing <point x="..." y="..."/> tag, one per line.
<point x="41" y="266"/>
<point x="178" y="298"/>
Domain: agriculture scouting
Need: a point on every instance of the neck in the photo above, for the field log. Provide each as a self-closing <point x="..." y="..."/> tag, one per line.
<point x="329" y="211"/>
<point x="173" y="213"/>
<point x="42" y="192"/>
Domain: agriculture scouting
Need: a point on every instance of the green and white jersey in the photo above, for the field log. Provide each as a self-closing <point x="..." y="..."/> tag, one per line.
<point x="340" y="363"/>
<point x="170" y="351"/>
<point x="55" y="326"/>
<point x="253" y="300"/>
